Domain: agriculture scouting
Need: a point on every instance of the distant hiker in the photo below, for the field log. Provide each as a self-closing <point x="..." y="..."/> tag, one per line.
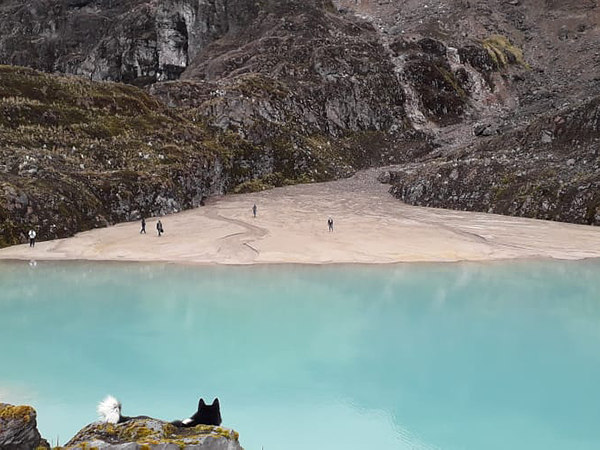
<point x="254" y="208"/>
<point x="159" y="228"/>
<point x="330" y="224"/>
<point x="143" y="230"/>
<point x="32" y="234"/>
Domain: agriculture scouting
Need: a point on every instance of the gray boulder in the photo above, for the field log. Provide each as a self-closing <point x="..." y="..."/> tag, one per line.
<point x="148" y="433"/>
<point x="18" y="428"/>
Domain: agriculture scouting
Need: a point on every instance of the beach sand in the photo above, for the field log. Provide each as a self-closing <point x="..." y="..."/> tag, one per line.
<point x="370" y="226"/>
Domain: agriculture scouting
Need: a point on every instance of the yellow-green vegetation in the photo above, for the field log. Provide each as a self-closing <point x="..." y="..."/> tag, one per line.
<point x="452" y="81"/>
<point x="226" y="433"/>
<point x="24" y="413"/>
<point x="256" y="85"/>
<point x="85" y="446"/>
<point x="255" y="185"/>
<point x="504" y="186"/>
<point x="150" y="432"/>
<point x="101" y="121"/>
<point x="503" y="52"/>
<point x="268" y="181"/>
<point x="136" y="432"/>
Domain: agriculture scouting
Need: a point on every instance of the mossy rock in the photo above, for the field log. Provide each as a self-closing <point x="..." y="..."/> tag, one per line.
<point x="24" y="413"/>
<point x="18" y="429"/>
<point x="150" y="434"/>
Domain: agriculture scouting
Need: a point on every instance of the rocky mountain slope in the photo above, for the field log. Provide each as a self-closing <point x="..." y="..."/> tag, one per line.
<point x="77" y="154"/>
<point x="549" y="169"/>
<point x="242" y="94"/>
<point x="533" y="150"/>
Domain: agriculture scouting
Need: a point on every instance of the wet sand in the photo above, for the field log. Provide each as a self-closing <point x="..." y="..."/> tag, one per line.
<point x="370" y="226"/>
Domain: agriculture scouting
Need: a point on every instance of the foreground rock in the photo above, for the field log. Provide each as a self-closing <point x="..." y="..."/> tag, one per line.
<point x="148" y="433"/>
<point x="18" y="428"/>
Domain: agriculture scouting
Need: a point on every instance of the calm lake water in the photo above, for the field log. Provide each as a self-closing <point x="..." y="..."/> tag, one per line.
<point x="449" y="356"/>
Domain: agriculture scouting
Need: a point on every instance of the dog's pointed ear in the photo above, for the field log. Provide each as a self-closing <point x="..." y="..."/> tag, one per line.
<point x="216" y="402"/>
<point x="201" y="403"/>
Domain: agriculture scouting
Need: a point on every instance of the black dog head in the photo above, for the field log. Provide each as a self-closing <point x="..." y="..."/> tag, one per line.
<point x="208" y="414"/>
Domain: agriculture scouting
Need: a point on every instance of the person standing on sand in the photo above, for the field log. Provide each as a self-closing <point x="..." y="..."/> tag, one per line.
<point x="143" y="230"/>
<point x="254" y="208"/>
<point x="32" y="235"/>
<point x="159" y="228"/>
<point x="330" y="224"/>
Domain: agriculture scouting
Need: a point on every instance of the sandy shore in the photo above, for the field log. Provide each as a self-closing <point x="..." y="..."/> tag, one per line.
<point x="291" y="227"/>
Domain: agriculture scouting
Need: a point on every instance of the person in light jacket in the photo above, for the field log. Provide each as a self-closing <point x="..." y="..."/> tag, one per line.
<point x="32" y="235"/>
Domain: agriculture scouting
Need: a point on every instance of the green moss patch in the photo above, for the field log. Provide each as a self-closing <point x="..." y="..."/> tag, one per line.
<point x="149" y="433"/>
<point x="503" y="52"/>
<point x="24" y="413"/>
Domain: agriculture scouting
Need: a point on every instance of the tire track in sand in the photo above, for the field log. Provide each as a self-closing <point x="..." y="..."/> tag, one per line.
<point x="239" y="243"/>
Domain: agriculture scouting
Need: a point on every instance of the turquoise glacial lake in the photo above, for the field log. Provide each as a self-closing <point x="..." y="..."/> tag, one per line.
<point x="419" y="356"/>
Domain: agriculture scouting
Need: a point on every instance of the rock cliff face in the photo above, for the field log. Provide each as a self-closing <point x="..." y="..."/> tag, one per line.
<point x="18" y="428"/>
<point x="137" y="41"/>
<point x="300" y="74"/>
<point x="242" y="95"/>
<point x="549" y="169"/>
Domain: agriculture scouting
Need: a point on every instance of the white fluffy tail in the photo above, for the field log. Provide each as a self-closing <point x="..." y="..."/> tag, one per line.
<point x="109" y="410"/>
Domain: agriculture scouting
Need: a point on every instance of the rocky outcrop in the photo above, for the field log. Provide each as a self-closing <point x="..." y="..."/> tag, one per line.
<point x="549" y="169"/>
<point x="18" y="428"/>
<point x="147" y="433"/>
<point x="293" y="52"/>
<point x="301" y="76"/>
